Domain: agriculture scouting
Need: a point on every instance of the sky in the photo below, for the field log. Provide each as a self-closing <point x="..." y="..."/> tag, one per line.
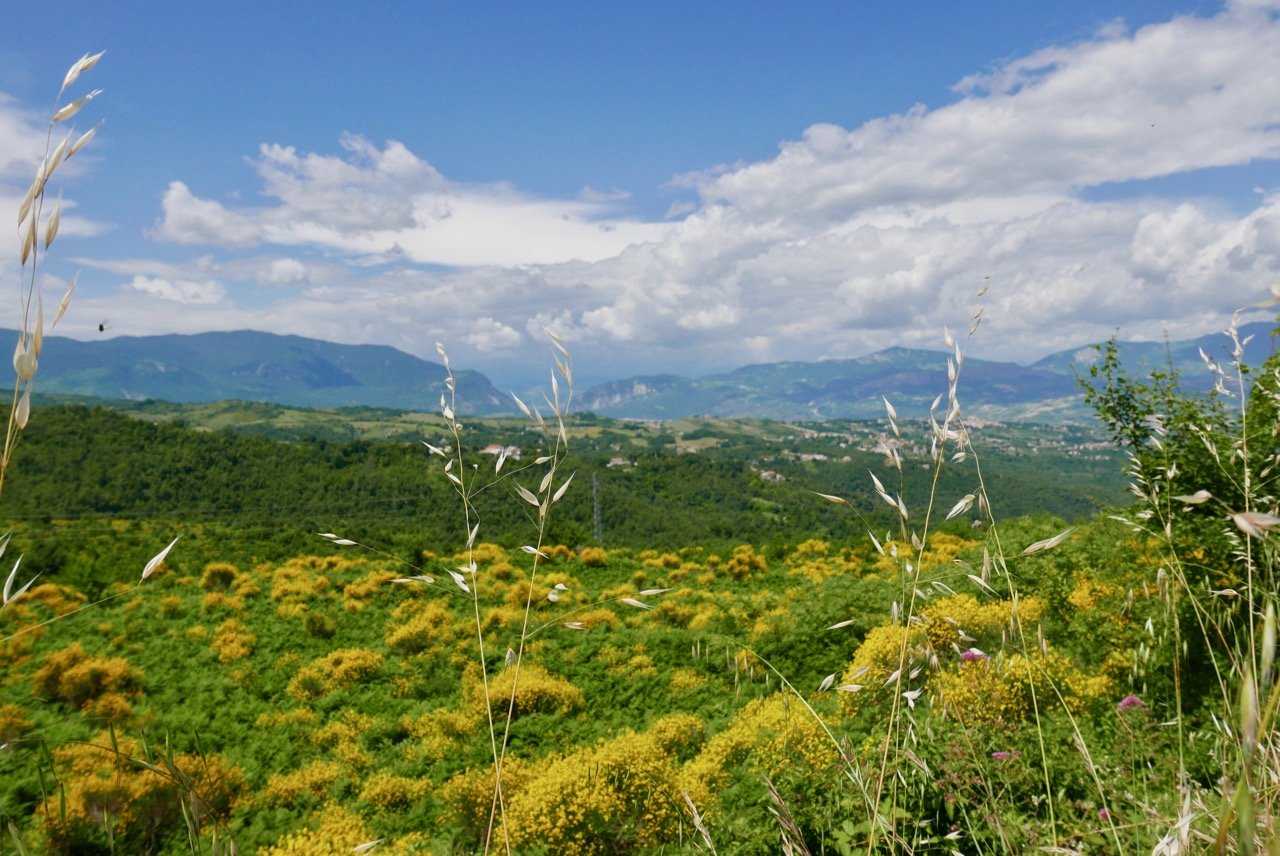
<point x="670" y="186"/>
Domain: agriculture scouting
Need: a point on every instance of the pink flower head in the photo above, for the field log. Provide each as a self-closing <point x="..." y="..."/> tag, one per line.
<point x="1129" y="702"/>
<point x="1006" y="756"/>
<point x="974" y="654"/>
<point x="1103" y="814"/>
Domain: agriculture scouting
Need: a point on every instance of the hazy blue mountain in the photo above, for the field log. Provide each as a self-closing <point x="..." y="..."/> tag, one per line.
<point x="255" y="366"/>
<point x="1046" y="391"/>
<point x="833" y="389"/>
<point x="1183" y="356"/>
<point x="305" y="372"/>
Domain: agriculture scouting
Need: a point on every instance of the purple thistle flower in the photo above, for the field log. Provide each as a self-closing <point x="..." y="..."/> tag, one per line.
<point x="1129" y="702"/>
<point x="973" y="654"/>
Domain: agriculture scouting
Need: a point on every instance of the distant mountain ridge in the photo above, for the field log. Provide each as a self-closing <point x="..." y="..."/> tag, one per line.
<point x="1045" y="391"/>
<point x="297" y="371"/>
<point x="256" y="366"/>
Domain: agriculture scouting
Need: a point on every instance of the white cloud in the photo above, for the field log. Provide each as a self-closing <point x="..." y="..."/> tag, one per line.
<point x="284" y="272"/>
<point x="190" y="220"/>
<point x="388" y="204"/>
<point x="490" y="335"/>
<point x="179" y="290"/>
<point x="22" y="139"/>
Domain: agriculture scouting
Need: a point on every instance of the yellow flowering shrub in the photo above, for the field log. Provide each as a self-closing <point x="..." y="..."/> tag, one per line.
<point x="814" y="570"/>
<point x="666" y="561"/>
<point x="218" y="576"/>
<point x="359" y="594"/>
<point x="502" y="617"/>
<point x="940" y="552"/>
<point x="878" y="657"/>
<point x="602" y="617"/>
<point x="814" y="548"/>
<point x="767" y="736"/>
<point x="337" y="670"/>
<point x="440" y="731"/>
<point x="593" y="557"/>
<point x="312" y="780"/>
<point x="55" y="598"/>
<point x="16" y="651"/>
<point x="386" y="790"/>
<point x="337" y="833"/>
<point x="945" y="619"/>
<point x="349" y="726"/>
<point x="1087" y="593"/>
<point x="745" y="563"/>
<point x="537" y="691"/>
<point x="777" y="622"/>
<point x="293" y="582"/>
<point x="76" y="678"/>
<point x="142" y="803"/>
<point x="170" y="607"/>
<point x="558" y="551"/>
<point x="246" y="586"/>
<point x="617" y="796"/>
<point x="233" y="641"/>
<point x="429" y="627"/>
<point x="468" y="796"/>
<point x="13" y="723"/>
<point x="639" y="665"/>
<point x="1000" y="689"/>
<point x="216" y="600"/>
<point x="298" y="716"/>
<point x="980" y="692"/>
<point x="484" y="553"/>
<point x="683" y="680"/>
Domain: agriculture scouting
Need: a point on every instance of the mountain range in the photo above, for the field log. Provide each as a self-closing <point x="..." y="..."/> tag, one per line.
<point x="298" y="371"/>
<point x="255" y="366"/>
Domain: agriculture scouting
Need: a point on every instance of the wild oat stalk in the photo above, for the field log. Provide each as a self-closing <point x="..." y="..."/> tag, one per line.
<point x="550" y="490"/>
<point x="36" y="234"/>
<point x="33" y="243"/>
<point x="467" y="482"/>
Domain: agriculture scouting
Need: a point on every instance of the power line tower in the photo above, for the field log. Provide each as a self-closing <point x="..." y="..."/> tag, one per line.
<point x="597" y="530"/>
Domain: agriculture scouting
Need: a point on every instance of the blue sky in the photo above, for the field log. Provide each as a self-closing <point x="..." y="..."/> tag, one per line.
<point x="672" y="186"/>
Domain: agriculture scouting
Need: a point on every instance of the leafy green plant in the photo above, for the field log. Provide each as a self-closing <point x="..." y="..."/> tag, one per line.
<point x="1205" y="472"/>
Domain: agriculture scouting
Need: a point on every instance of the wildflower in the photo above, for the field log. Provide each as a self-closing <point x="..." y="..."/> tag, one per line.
<point x="1006" y="756"/>
<point x="1103" y="814"/>
<point x="1129" y="702"/>
<point x="974" y="654"/>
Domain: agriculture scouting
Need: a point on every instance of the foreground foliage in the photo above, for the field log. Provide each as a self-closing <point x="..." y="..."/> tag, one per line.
<point x="317" y="691"/>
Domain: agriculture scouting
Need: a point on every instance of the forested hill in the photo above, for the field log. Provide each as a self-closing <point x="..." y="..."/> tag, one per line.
<point x="79" y="470"/>
<point x="248" y="364"/>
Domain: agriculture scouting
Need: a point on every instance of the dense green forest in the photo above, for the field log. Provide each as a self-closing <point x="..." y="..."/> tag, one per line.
<point x="239" y="494"/>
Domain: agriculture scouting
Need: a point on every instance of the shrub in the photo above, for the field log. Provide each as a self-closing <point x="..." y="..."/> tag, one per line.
<point x="77" y="679"/>
<point x="335" y="671"/>
<point x="103" y="786"/>
<point x="218" y="576"/>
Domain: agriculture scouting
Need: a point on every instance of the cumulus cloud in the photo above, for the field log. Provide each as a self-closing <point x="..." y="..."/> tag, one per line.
<point x="388" y="204"/>
<point x="190" y="220"/>
<point x="490" y="335"/>
<point x="22" y="137"/>
<point x="187" y="291"/>
<point x="284" y="272"/>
